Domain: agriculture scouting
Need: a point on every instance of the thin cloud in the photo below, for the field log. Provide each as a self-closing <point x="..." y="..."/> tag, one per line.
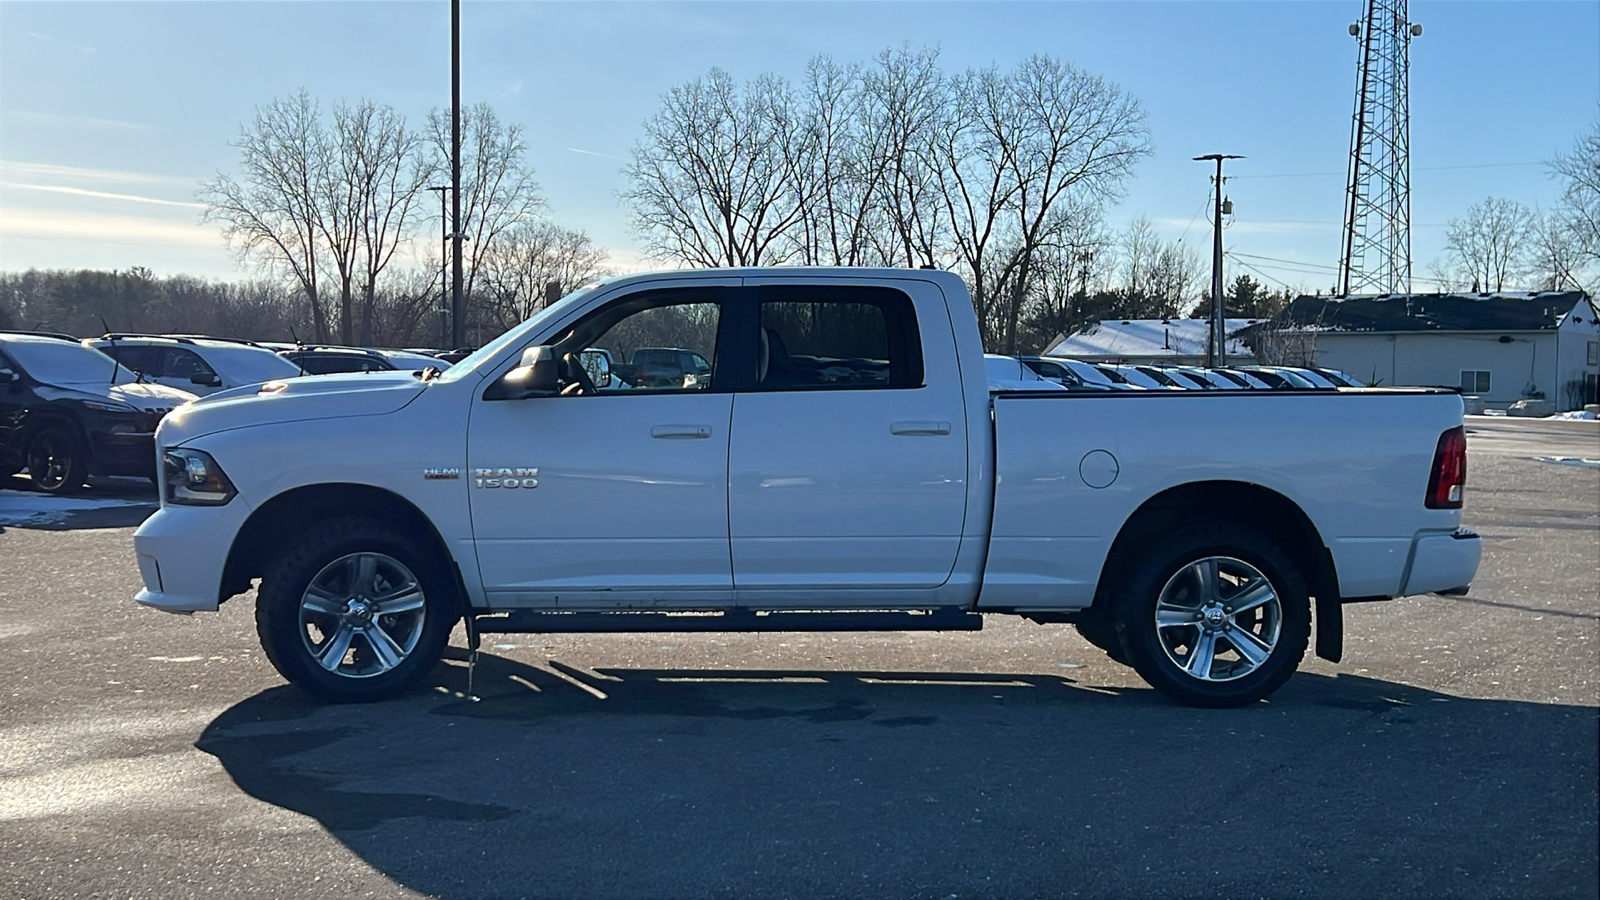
<point x="51" y="171"/>
<point x="107" y="195"/>
<point x="65" y="120"/>
<point x="592" y="153"/>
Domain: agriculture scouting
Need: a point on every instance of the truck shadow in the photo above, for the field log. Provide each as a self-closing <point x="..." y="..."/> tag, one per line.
<point x="564" y="782"/>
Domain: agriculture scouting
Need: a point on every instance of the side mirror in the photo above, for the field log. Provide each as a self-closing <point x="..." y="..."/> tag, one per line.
<point x="202" y="378"/>
<point x="534" y="376"/>
<point x="598" y="365"/>
<point x="7" y="376"/>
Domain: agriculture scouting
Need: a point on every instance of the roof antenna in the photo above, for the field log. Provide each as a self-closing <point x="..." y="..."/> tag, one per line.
<point x="299" y="351"/>
<point x="116" y="364"/>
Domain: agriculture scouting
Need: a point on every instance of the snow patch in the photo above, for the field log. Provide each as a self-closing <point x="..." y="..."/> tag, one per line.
<point x="1569" y="461"/>
<point x="17" y="508"/>
<point x="1583" y="414"/>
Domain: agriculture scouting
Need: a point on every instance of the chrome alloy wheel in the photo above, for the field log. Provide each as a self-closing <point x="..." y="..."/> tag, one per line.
<point x="362" y="615"/>
<point x="1218" y="618"/>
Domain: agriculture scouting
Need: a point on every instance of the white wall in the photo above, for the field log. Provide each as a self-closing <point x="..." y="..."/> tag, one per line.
<point x="1573" y="338"/>
<point x="1439" y="358"/>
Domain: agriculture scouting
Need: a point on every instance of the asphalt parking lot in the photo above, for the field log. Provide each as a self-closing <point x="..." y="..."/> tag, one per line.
<point x="1452" y="754"/>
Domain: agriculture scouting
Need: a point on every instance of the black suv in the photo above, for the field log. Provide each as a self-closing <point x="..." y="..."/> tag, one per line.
<point x="333" y="360"/>
<point x="68" y="411"/>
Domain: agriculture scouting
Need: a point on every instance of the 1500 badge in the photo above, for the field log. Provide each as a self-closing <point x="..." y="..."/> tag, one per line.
<point x="505" y="478"/>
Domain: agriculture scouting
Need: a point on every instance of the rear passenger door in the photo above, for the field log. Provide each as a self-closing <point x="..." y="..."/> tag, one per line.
<point x="848" y="461"/>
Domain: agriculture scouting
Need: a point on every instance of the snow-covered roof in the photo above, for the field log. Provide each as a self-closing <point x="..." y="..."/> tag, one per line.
<point x="1146" y="339"/>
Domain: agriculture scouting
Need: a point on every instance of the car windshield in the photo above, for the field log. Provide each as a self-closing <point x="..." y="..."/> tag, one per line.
<point x="248" y="365"/>
<point x="63" y="362"/>
<point x="492" y="349"/>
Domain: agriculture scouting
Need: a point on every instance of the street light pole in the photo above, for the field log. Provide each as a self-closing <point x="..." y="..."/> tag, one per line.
<point x="1217" y="347"/>
<point x="444" y="268"/>
<point x="455" y="174"/>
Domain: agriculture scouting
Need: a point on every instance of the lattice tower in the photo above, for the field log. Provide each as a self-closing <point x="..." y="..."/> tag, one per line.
<point x="1377" y="203"/>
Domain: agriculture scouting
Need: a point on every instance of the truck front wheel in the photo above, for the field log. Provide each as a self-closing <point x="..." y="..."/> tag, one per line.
<point x="1214" y="616"/>
<point x="353" y="610"/>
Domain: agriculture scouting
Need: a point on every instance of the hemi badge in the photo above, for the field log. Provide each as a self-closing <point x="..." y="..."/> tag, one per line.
<point x="439" y="473"/>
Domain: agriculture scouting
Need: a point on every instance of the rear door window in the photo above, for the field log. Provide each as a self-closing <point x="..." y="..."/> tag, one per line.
<point x="820" y="338"/>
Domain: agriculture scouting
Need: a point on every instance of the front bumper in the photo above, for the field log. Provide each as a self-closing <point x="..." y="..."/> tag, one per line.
<point x="1443" y="563"/>
<point x="182" y="551"/>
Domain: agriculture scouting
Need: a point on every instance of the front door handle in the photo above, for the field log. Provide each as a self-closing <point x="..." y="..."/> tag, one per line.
<point x="680" y="432"/>
<point x="919" y="428"/>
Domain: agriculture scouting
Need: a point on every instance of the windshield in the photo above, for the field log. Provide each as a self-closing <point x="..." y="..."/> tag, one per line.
<point x="247" y="365"/>
<point x="60" y="362"/>
<point x="492" y="349"/>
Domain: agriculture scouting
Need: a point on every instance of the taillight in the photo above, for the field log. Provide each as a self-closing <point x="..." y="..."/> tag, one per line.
<point x="1449" y="476"/>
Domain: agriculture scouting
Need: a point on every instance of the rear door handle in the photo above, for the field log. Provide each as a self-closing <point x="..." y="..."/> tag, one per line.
<point x="919" y="428"/>
<point x="680" y="432"/>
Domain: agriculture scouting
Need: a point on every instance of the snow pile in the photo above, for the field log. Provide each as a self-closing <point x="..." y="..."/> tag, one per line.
<point x="1576" y="414"/>
<point x="1569" y="461"/>
<point x="23" y="509"/>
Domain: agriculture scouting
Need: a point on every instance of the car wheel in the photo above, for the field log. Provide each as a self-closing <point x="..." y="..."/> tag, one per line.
<point x="354" y="610"/>
<point x="1214" y="616"/>
<point x="56" y="460"/>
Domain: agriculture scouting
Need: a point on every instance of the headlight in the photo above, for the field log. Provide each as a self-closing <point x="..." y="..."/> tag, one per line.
<point x="193" y="478"/>
<point x="111" y="406"/>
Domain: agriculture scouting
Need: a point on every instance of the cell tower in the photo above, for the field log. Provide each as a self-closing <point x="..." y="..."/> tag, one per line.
<point x="1377" y="202"/>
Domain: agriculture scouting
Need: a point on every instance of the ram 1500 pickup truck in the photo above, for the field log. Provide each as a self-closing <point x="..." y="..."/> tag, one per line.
<point x="843" y="466"/>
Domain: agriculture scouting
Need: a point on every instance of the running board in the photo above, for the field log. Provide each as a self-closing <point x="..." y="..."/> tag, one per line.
<point x="545" y="622"/>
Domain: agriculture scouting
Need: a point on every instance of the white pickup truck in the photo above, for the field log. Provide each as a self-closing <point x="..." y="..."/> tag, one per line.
<point x="844" y="466"/>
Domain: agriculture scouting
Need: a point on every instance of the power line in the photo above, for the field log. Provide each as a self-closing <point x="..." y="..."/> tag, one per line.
<point x="1417" y="169"/>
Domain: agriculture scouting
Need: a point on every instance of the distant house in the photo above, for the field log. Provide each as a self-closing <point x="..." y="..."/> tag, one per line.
<point x="1179" y="342"/>
<point x="1503" y="347"/>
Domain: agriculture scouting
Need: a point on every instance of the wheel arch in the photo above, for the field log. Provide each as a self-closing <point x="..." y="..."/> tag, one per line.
<point x="275" y="521"/>
<point x="1245" y="505"/>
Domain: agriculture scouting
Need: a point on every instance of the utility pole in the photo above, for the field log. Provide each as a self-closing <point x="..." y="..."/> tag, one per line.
<point x="1217" y="346"/>
<point x="444" y="268"/>
<point x="455" y="174"/>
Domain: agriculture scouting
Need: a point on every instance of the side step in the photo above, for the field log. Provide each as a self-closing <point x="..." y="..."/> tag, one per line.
<point x="524" y="621"/>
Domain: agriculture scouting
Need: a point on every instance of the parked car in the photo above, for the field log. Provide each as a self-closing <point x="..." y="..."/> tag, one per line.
<point x="1340" y="378"/>
<point x="1282" y="379"/>
<point x="1086" y="374"/>
<point x="200" y="365"/>
<point x="1054" y="370"/>
<point x="1008" y="373"/>
<point x="68" y="412"/>
<point x="325" y="360"/>
<point x="1169" y="378"/>
<point x="1315" y="378"/>
<point x="412" y="360"/>
<point x="1130" y="376"/>
<point x="666" y="367"/>
<point x="1242" y="379"/>
<point x="490" y="494"/>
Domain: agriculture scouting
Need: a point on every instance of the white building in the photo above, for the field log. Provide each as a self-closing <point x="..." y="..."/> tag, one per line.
<point x="1502" y="347"/>
<point x="1178" y="342"/>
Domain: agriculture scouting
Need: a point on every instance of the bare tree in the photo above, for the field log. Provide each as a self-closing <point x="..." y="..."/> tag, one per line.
<point x="1490" y="243"/>
<point x="385" y="172"/>
<point x="498" y="188"/>
<point x="321" y="203"/>
<point x="527" y="258"/>
<point x="272" y="214"/>
<point x="1574" y="228"/>
<point x="713" y="182"/>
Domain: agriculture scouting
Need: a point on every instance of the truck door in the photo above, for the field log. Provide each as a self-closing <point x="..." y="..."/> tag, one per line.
<point x="619" y="498"/>
<point x="848" y="464"/>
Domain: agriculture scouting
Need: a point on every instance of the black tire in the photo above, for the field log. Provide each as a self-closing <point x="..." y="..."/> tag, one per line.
<point x="1101" y="631"/>
<point x="293" y="622"/>
<point x="57" y="461"/>
<point x="1171" y="657"/>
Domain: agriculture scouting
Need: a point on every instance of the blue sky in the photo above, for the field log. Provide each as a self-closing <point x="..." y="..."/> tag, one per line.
<point x="112" y="113"/>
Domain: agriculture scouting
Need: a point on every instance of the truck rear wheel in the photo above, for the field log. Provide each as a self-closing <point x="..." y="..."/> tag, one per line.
<point x="354" y="610"/>
<point x="1214" y="616"/>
